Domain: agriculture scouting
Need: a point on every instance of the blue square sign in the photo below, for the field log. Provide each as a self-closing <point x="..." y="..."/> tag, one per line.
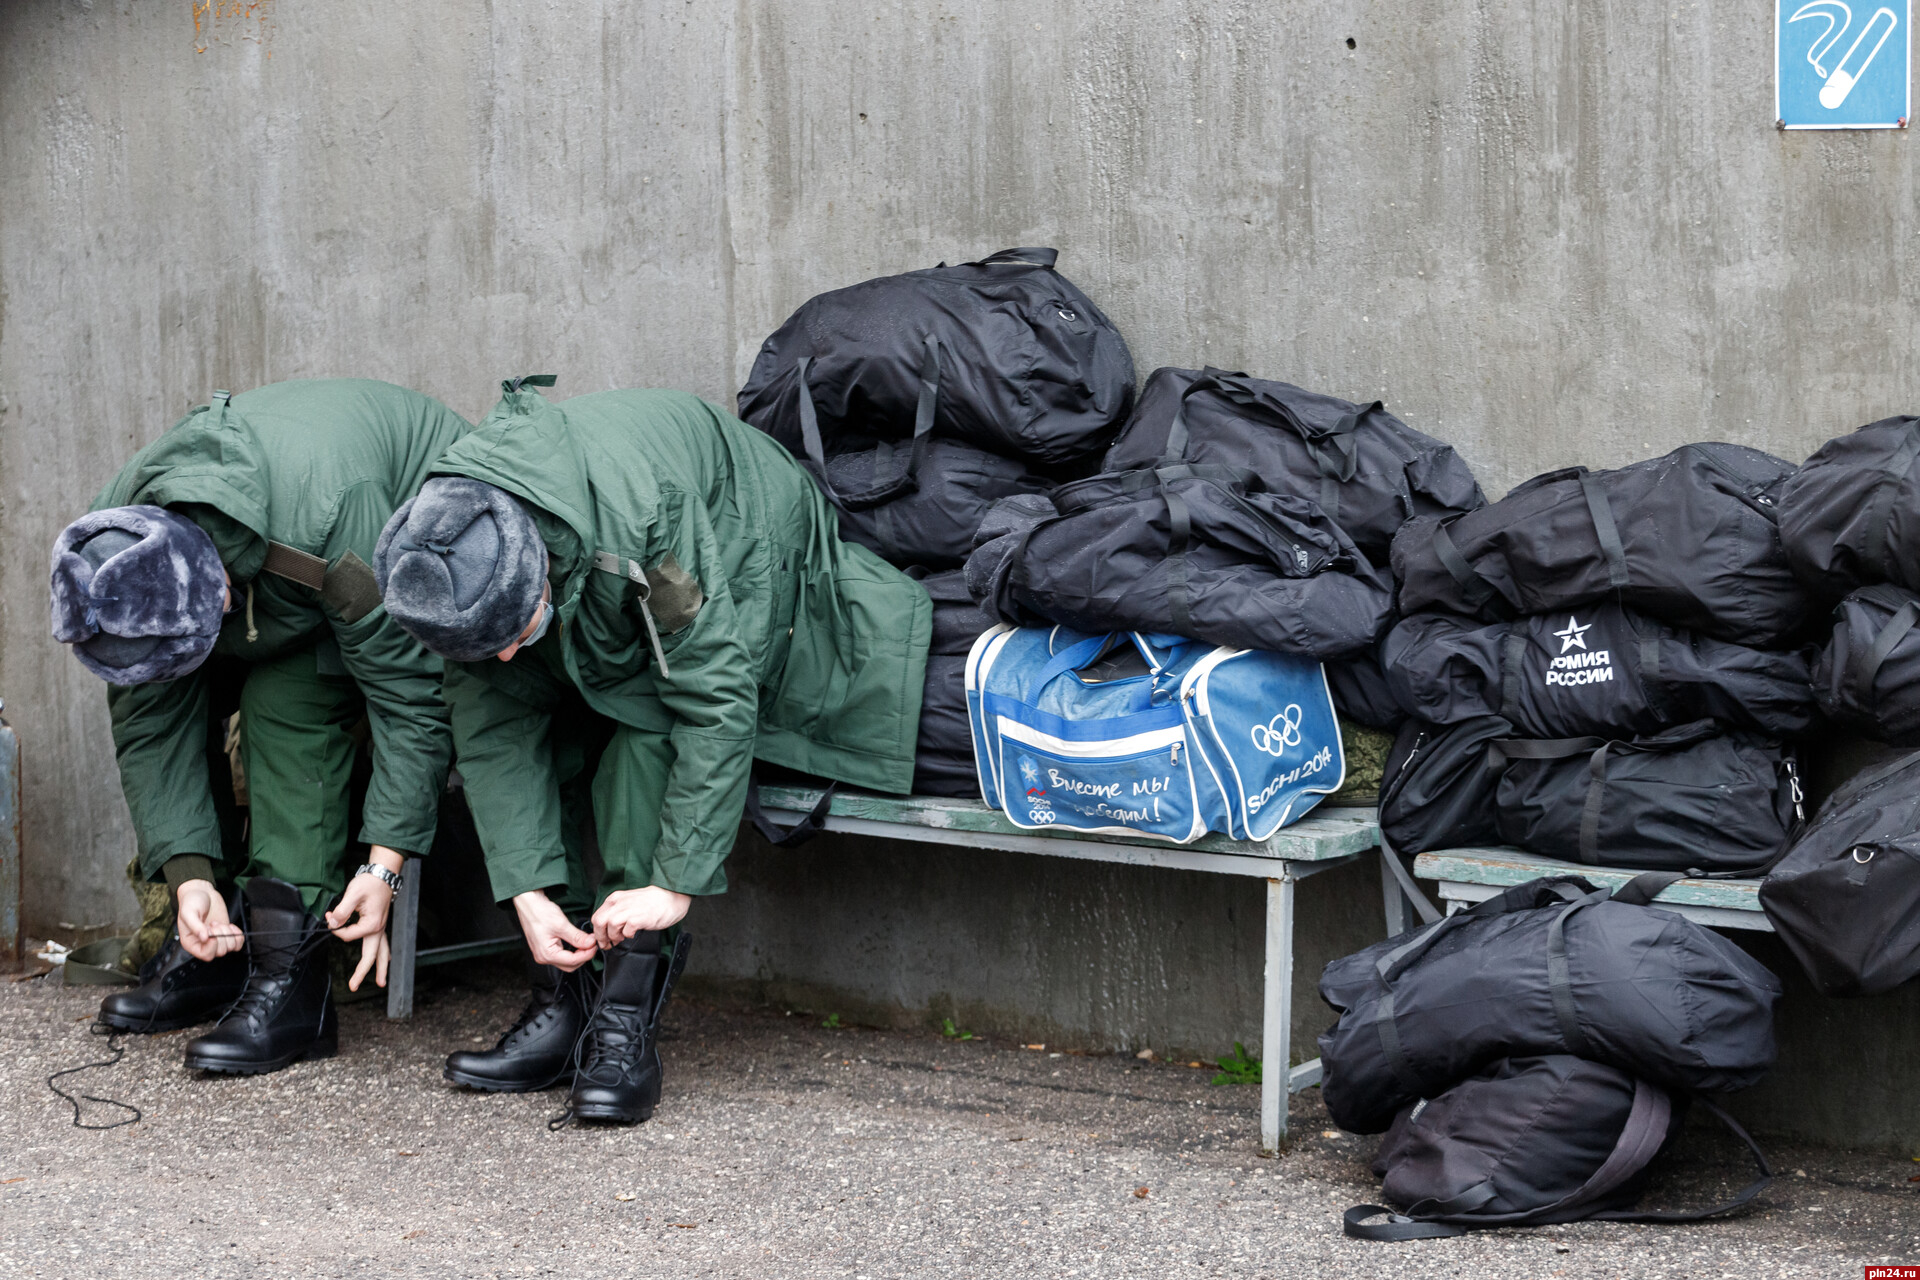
<point x="1841" y="64"/>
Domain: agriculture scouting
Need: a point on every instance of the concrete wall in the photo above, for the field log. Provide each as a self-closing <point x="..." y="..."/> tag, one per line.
<point x="1550" y="232"/>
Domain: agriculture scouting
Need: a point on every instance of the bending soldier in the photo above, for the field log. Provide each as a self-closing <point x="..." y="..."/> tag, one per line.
<point x="637" y="596"/>
<point x="228" y="566"/>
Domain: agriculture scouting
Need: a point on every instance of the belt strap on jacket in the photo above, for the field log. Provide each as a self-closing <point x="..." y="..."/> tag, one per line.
<point x="619" y="567"/>
<point x="292" y="563"/>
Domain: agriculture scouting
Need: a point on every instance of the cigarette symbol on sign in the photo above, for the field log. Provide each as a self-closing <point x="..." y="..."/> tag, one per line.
<point x="1840" y="80"/>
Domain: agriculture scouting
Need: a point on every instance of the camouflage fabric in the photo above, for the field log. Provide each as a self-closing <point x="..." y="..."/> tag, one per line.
<point x="1366" y="751"/>
<point x="156" y="920"/>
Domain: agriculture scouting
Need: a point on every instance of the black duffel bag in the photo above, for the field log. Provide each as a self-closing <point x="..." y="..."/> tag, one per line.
<point x="1184" y="550"/>
<point x="1438" y="786"/>
<point x="1695" y="798"/>
<point x="1369" y="471"/>
<point x="1689" y="539"/>
<point x="1850" y="515"/>
<point x="1846" y="898"/>
<point x="943" y="763"/>
<point x="1600" y="669"/>
<point x="957" y="620"/>
<point x="1528" y="1142"/>
<point x="934" y="522"/>
<point x="1550" y="966"/>
<point x="1868" y="676"/>
<point x="1004" y="354"/>
<point x="1362" y="693"/>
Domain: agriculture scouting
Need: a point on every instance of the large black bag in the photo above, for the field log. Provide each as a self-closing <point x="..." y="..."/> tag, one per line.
<point x="957" y="620"/>
<point x="1694" y="798"/>
<point x="1369" y="471"/>
<point x="1868" y="676"/>
<point x="1362" y="693"/>
<point x="1438" y="787"/>
<point x="1528" y="1142"/>
<point x="934" y="522"/>
<point x="1846" y="898"/>
<point x="1851" y="514"/>
<point x="1005" y="354"/>
<point x="1600" y="669"/>
<point x="1689" y="539"/>
<point x="1186" y="551"/>
<point x="943" y="754"/>
<point x="1550" y="966"/>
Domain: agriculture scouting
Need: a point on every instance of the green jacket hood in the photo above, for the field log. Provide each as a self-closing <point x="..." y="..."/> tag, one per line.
<point x="211" y="461"/>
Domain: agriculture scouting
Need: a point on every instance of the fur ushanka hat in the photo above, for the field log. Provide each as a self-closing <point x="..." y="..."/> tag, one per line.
<point x="461" y="567"/>
<point x="138" y="592"/>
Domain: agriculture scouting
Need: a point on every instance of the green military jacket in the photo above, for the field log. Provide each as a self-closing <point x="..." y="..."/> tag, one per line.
<point x="319" y="466"/>
<point x="781" y="642"/>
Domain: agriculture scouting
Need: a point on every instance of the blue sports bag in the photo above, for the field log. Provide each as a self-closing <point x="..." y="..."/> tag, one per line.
<point x="1138" y="734"/>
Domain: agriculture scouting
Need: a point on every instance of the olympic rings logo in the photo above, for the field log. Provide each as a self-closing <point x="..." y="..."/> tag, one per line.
<point x="1279" y="733"/>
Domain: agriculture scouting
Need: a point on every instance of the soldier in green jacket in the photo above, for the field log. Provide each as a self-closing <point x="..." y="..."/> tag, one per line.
<point x="228" y="567"/>
<point x="637" y="595"/>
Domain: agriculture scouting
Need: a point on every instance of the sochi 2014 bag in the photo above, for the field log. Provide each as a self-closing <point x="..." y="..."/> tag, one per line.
<point x="1004" y="354"/>
<point x="1549" y="966"/>
<point x="1689" y="538"/>
<point x="1846" y="898"/>
<point x="1868" y="676"/>
<point x="1133" y="734"/>
<point x="1531" y="1141"/>
<point x="1366" y="469"/>
<point x="933" y="521"/>
<point x="1694" y="798"/>
<point x="1850" y="515"/>
<point x="1597" y="669"/>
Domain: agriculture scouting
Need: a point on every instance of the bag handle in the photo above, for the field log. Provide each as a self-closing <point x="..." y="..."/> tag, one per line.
<point x="1335" y="451"/>
<point x="1474" y="587"/>
<point x="908" y="481"/>
<point x="1868" y="665"/>
<point x="1075" y="656"/>
<point x="800" y="832"/>
<point x="1608" y="532"/>
<point x="1028" y="256"/>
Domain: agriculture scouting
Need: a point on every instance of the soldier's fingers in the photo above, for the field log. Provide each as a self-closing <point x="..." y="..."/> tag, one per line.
<point x="380" y="970"/>
<point x="360" y="970"/>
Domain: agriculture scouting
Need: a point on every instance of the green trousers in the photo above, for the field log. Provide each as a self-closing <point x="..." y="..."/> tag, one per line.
<point x="298" y="744"/>
<point x="613" y="781"/>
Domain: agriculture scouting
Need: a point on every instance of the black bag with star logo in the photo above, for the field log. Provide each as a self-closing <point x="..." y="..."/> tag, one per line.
<point x="1592" y="669"/>
<point x="1692" y="539"/>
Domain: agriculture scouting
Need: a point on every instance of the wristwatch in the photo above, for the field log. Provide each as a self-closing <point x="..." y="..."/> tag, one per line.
<point x="379" y="873"/>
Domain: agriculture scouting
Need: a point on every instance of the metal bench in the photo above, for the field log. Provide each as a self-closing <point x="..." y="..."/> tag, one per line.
<point x="1467" y="876"/>
<point x="1327" y="837"/>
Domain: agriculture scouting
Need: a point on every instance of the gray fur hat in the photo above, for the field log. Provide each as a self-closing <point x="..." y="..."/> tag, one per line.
<point x="461" y="567"/>
<point x="138" y="592"/>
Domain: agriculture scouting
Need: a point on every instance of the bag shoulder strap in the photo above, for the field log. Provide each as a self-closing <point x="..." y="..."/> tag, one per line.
<point x="1474" y="587"/>
<point x="800" y="832"/>
<point x="1868" y="665"/>
<point x="1607" y="531"/>
<point x="882" y="491"/>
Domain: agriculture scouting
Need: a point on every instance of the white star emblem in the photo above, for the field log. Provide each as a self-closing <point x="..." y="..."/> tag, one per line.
<point x="1029" y="771"/>
<point x="1574" y="636"/>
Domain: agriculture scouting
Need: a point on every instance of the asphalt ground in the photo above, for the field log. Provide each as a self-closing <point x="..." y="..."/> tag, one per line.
<point x="782" y="1148"/>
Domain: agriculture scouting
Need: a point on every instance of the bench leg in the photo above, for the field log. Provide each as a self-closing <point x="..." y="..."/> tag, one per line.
<point x="1399" y="910"/>
<point x="1276" y="1031"/>
<point x="402" y="926"/>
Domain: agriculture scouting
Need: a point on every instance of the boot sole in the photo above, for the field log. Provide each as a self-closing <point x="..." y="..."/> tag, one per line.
<point x="484" y="1085"/>
<point x="613" y="1115"/>
<point x="227" y="1067"/>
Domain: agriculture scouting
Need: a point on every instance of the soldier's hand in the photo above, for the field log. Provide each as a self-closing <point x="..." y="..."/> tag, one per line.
<point x="205" y="931"/>
<point x="630" y="911"/>
<point x="368" y="898"/>
<point x="550" y="935"/>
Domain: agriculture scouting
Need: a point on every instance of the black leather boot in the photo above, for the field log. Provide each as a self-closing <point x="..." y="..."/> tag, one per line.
<point x="537" y="1050"/>
<point x="178" y="991"/>
<point x="619" y="1075"/>
<point x="286" y="1012"/>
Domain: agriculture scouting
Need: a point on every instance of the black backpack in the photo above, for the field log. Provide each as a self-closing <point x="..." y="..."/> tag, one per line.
<point x="1550" y="966"/>
<point x="1369" y="471"/>
<point x="1846" y="898"/>
<point x="1689" y="538"/>
<point x="1851" y="514"/>
<point x="933" y="522"/>
<point x="1528" y="1142"/>
<point x="1187" y="551"/>
<point x="1004" y="354"/>
<point x="1598" y="669"/>
<point x="1868" y="676"/>
<point x="1438" y="786"/>
<point x="1694" y="798"/>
